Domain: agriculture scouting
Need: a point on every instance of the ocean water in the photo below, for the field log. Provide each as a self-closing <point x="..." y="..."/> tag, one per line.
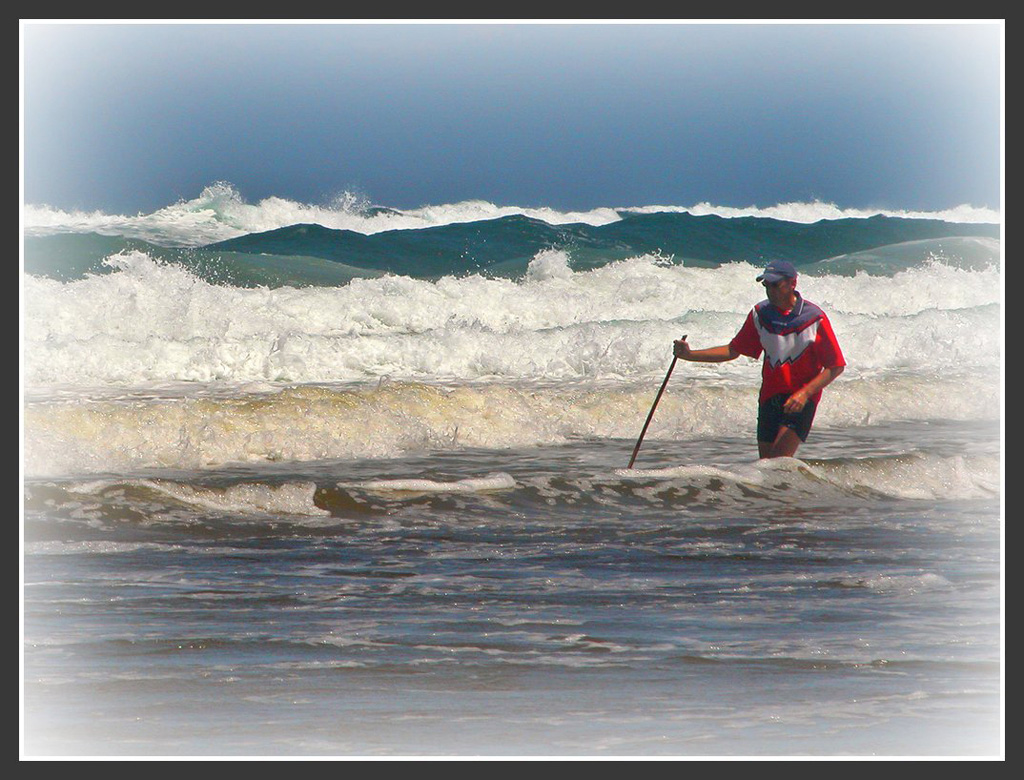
<point x="351" y="480"/>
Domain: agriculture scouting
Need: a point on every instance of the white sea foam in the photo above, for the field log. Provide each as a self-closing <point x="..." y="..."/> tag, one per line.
<point x="221" y="212"/>
<point x="149" y="322"/>
<point x="813" y="211"/>
<point x="289" y="498"/>
<point x="910" y="476"/>
<point x="498" y="481"/>
<point x="322" y="422"/>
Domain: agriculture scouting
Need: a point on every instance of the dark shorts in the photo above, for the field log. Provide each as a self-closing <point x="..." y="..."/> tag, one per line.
<point x="770" y="418"/>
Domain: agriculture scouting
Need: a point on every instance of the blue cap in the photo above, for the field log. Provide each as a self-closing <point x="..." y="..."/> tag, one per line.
<point x="776" y="270"/>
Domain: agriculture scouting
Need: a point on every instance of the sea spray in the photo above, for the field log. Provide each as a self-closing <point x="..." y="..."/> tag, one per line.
<point x="220" y="211"/>
<point x="155" y="322"/>
<point x="315" y="422"/>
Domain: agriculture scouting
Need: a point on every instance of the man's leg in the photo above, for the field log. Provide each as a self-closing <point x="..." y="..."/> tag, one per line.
<point x="784" y="446"/>
<point x="779" y="435"/>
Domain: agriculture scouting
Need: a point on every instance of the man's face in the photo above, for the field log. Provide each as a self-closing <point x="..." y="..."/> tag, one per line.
<point x="780" y="293"/>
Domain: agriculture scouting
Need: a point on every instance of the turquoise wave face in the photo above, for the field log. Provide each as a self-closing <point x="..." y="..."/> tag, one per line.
<point x="315" y="255"/>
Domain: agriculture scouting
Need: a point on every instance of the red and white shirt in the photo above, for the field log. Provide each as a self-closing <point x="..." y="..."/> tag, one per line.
<point x="797" y="345"/>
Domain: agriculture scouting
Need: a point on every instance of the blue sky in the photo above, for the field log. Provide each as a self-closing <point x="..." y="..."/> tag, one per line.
<point x="128" y="118"/>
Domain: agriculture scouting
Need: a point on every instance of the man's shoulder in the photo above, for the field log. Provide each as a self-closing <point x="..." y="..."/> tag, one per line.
<point x="811" y="309"/>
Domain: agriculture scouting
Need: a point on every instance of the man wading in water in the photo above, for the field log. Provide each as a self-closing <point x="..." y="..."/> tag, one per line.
<point x="801" y="356"/>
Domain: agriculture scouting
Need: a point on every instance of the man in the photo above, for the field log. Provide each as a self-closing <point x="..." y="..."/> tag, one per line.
<point x="801" y="356"/>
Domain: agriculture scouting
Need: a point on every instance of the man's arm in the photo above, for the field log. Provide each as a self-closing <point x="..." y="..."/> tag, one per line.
<point x="797" y="401"/>
<point x="710" y="355"/>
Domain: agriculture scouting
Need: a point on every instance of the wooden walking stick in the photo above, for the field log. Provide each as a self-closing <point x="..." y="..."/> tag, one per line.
<point x="657" y="398"/>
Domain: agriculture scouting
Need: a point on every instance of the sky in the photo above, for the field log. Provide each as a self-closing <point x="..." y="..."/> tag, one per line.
<point x="129" y="117"/>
